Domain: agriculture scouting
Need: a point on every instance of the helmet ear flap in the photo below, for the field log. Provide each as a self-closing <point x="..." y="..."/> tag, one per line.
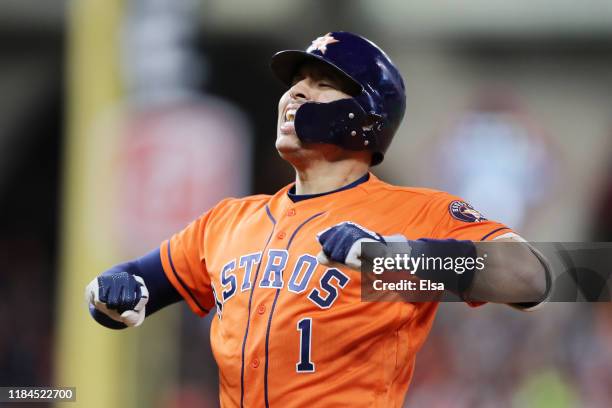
<point x="343" y="122"/>
<point x="339" y="122"/>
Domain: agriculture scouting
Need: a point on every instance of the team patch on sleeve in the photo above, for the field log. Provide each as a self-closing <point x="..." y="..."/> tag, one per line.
<point x="462" y="211"/>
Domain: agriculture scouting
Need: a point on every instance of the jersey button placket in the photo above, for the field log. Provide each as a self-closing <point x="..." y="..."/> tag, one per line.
<point x="255" y="363"/>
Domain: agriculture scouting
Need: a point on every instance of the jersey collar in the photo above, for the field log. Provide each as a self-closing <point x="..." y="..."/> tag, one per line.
<point x="301" y="197"/>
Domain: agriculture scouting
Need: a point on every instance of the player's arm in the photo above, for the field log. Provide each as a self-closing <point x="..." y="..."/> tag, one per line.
<point x="513" y="273"/>
<point x="126" y="293"/>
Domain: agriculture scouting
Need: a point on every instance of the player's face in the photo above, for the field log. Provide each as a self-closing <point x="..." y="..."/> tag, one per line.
<point x="312" y="83"/>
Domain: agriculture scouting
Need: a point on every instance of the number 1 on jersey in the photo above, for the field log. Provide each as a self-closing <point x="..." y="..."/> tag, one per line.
<point x="304" y="365"/>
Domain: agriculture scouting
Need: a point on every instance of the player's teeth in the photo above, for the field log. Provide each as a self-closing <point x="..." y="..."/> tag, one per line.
<point x="290" y="115"/>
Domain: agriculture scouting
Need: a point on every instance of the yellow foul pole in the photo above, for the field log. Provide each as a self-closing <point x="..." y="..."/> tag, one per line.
<point x="94" y="360"/>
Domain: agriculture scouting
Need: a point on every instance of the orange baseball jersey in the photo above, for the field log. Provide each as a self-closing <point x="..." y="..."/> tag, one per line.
<point x="291" y="332"/>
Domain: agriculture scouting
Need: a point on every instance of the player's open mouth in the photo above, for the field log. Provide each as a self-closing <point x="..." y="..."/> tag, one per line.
<point x="290" y="111"/>
<point x="287" y="126"/>
<point x="290" y="115"/>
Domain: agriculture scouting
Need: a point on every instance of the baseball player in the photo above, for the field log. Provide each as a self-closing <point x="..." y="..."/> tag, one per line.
<point x="282" y="271"/>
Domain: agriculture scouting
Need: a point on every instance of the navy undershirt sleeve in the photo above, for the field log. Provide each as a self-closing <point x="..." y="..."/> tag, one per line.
<point x="150" y="269"/>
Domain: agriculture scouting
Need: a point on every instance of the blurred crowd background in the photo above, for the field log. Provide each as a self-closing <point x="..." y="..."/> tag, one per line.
<point x="122" y="120"/>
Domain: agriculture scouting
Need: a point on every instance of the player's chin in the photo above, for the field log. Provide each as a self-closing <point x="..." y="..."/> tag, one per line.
<point x="287" y="143"/>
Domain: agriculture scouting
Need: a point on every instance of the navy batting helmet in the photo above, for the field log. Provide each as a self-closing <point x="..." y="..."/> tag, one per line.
<point x="367" y="121"/>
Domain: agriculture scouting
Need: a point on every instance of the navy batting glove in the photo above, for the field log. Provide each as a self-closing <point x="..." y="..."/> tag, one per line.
<point x="342" y="243"/>
<point x="120" y="291"/>
<point x="121" y="296"/>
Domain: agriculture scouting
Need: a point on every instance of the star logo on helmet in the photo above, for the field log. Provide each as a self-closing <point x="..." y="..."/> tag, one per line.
<point x="321" y="43"/>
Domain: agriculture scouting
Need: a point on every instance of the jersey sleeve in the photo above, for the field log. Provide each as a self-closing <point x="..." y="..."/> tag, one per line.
<point x="184" y="262"/>
<point x="457" y="219"/>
